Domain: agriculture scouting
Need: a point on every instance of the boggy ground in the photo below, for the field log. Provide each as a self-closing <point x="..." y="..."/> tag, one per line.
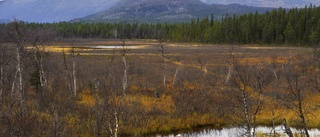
<point x="205" y="86"/>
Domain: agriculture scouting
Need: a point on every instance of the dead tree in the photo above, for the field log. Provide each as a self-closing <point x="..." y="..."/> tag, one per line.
<point x="67" y="71"/>
<point x="296" y="93"/>
<point x="176" y="72"/>
<point x="125" y="69"/>
<point x="163" y="63"/>
<point x="114" y="112"/>
<point x="19" y="39"/>
<point x="231" y="64"/>
<point x="175" y="75"/>
<point x="260" y="82"/>
<point x="74" y="73"/>
<point x="247" y="87"/>
<point x="241" y="80"/>
<point x="275" y="68"/>
<point x="72" y="78"/>
<point x="38" y="38"/>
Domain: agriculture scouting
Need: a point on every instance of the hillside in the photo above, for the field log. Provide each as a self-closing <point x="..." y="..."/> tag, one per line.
<point x="165" y="11"/>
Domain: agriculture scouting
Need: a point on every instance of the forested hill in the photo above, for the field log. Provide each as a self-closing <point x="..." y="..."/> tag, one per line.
<point x="281" y="26"/>
<point x="297" y="26"/>
<point x="148" y="11"/>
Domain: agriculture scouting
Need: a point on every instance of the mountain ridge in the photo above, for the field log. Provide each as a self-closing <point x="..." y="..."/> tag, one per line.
<point x="66" y="10"/>
<point x="165" y="11"/>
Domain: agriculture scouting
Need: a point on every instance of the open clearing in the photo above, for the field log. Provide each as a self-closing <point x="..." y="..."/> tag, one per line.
<point x="179" y="53"/>
<point x="182" y="56"/>
<point x="148" y="47"/>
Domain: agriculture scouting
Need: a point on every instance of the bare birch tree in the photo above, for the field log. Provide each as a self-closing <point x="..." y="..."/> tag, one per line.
<point x="114" y="114"/>
<point x="125" y="68"/>
<point x="38" y="38"/>
<point x="296" y="93"/>
<point x="74" y="72"/>
<point x="248" y="84"/>
<point x="69" y="79"/>
<point x="18" y="37"/>
<point x="72" y="77"/>
<point x="163" y="62"/>
<point x="260" y="82"/>
<point x="240" y="82"/>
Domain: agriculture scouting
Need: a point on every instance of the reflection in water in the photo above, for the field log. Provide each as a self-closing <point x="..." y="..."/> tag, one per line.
<point x="86" y="48"/>
<point x="236" y="132"/>
<point x="115" y="47"/>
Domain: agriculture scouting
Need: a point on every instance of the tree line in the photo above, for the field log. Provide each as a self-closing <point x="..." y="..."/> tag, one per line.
<point x="296" y="26"/>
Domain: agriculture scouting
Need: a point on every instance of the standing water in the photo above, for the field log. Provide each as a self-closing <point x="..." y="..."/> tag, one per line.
<point x="236" y="132"/>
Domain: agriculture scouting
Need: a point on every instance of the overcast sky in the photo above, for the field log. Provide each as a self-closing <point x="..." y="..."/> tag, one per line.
<point x="268" y="3"/>
<point x="64" y="10"/>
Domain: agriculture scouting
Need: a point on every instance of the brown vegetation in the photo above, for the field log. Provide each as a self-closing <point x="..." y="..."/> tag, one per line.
<point x="136" y="92"/>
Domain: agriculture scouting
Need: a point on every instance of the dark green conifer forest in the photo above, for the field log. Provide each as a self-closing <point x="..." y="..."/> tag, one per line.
<point x="297" y="26"/>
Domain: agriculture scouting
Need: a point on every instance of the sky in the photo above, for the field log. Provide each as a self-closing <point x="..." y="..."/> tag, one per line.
<point x="65" y="10"/>
<point x="51" y="10"/>
<point x="267" y="3"/>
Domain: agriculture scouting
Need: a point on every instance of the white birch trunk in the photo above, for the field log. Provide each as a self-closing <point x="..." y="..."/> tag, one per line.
<point x="125" y="69"/>
<point x="110" y="126"/>
<point x="256" y="113"/>
<point x="163" y="64"/>
<point x="231" y="65"/>
<point x="275" y="74"/>
<point x="39" y="60"/>
<point x="14" y="82"/>
<point x="230" y="72"/>
<point x="164" y="69"/>
<point x="175" y="76"/>
<point x="69" y="79"/>
<point x="43" y="80"/>
<point x="164" y="75"/>
<point x="19" y="70"/>
<point x="116" y="124"/>
<point x="74" y="72"/>
<point x="125" y="76"/>
<point x="246" y="112"/>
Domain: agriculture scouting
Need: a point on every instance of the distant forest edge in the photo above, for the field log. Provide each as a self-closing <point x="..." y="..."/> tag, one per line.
<point x="297" y="26"/>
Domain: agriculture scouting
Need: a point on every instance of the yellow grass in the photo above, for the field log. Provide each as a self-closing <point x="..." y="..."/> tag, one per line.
<point x="87" y="98"/>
